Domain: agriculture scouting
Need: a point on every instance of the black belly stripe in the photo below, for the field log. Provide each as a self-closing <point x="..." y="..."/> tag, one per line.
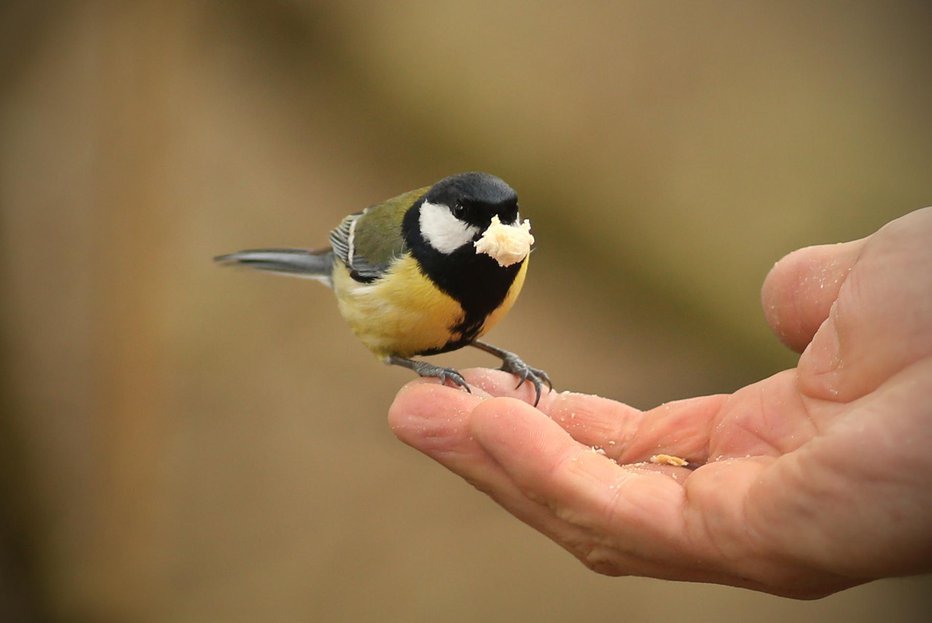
<point x="474" y="280"/>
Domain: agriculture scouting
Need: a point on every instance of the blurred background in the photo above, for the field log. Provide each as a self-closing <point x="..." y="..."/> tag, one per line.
<point x="184" y="443"/>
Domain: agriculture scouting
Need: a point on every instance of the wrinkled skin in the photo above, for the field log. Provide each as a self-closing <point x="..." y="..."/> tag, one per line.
<point x="802" y="484"/>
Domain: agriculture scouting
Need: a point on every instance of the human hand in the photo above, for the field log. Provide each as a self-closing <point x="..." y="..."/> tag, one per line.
<point x="802" y="484"/>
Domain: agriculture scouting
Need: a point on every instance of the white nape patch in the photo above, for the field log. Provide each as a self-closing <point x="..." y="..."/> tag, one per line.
<point x="442" y="230"/>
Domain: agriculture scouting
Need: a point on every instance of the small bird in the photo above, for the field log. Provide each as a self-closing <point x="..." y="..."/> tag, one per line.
<point x="427" y="272"/>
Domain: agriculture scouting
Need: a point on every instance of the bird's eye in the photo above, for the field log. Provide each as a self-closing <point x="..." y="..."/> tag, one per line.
<point x="459" y="210"/>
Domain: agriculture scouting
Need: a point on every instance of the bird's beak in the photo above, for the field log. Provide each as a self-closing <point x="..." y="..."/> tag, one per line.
<point x="506" y="244"/>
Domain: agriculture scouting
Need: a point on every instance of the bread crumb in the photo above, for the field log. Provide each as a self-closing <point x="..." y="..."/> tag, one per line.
<point x="506" y="244"/>
<point x="669" y="459"/>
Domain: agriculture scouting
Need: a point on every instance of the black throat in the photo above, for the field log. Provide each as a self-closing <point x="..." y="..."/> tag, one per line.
<point x="474" y="280"/>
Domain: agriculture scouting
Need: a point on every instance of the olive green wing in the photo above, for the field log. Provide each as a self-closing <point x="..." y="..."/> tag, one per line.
<point x="368" y="241"/>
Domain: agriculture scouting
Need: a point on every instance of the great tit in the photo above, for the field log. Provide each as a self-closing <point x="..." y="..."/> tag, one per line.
<point x="427" y="272"/>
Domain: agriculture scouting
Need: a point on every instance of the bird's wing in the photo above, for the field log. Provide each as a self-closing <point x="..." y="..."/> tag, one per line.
<point x="368" y="241"/>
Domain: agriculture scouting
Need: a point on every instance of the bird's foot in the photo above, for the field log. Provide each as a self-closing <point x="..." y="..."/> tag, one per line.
<point x="422" y="368"/>
<point x="513" y="364"/>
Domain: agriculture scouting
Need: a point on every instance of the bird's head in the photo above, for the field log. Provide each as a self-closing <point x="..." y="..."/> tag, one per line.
<point x="476" y="211"/>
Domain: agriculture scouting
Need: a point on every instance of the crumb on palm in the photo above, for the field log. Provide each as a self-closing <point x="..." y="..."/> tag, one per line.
<point x="669" y="459"/>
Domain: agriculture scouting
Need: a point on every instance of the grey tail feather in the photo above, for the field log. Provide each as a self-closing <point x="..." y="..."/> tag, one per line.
<point x="295" y="262"/>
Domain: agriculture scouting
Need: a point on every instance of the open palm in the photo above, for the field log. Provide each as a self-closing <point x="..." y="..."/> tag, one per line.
<point x="802" y="484"/>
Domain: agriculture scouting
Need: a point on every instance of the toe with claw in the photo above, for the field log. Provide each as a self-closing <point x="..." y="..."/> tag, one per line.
<point x="422" y="368"/>
<point x="513" y="364"/>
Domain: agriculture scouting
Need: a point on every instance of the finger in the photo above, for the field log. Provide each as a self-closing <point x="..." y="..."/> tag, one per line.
<point x="583" y="487"/>
<point x="591" y="420"/>
<point x="626" y="434"/>
<point x="434" y="419"/>
<point x="880" y="323"/>
<point x="800" y="289"/>
<point x="682" y="428"/>
<point x="500" y="383"/>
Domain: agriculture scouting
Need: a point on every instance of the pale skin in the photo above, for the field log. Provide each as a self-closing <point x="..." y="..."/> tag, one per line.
<point x="802" y="484"/>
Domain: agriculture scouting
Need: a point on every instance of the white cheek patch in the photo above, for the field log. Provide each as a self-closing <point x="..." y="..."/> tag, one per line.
<point x="443" y="231"/>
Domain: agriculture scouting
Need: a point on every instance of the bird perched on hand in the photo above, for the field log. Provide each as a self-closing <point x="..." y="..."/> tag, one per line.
<point x="426" y="272"/>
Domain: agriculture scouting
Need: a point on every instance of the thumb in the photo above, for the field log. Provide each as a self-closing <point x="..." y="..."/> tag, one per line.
<point x="800" y="289"/>
<point x="880" y="320"/>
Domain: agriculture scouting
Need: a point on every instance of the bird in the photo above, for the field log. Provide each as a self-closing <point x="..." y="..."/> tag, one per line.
<point x="426" y="272"/>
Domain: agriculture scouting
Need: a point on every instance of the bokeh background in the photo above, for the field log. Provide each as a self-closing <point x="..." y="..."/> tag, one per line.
<point x="182" y="443"/>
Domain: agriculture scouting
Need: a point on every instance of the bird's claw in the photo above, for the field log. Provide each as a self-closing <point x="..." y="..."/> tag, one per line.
<point x="514" y="365"/>
<point x="422" y="368"/>
<point x="449" y="374"/>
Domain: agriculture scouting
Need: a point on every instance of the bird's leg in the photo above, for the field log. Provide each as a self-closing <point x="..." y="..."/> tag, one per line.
<point x="513" y="364"/>
<point x="428" y="369"/>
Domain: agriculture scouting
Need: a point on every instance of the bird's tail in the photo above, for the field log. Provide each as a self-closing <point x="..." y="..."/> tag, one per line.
<point x="294" y="262"/>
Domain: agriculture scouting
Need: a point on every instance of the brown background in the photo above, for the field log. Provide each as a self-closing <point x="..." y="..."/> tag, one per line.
<point x="181" y="443"/>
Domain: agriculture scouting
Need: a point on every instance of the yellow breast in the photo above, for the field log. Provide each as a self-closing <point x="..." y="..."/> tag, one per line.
<point x="404" y="313"/>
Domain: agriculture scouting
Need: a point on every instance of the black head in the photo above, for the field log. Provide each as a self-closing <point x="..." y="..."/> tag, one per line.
<point x="475" y="197"/>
